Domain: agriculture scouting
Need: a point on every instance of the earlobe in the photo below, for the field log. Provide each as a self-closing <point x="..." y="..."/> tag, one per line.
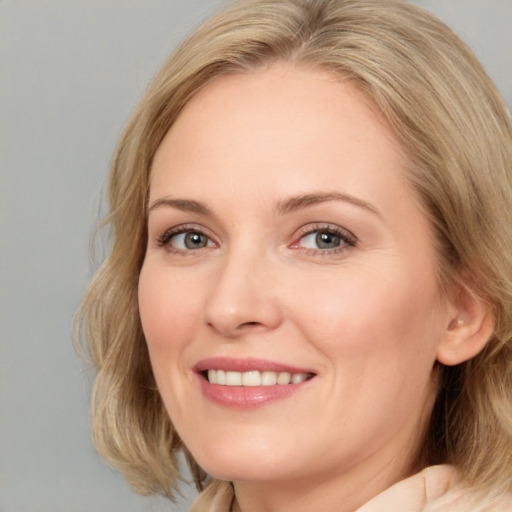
<point x="468" y="330"/>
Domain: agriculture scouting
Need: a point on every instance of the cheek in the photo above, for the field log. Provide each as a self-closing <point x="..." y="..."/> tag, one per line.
<point x="169" y="310"/>
<point x="380" y="335"/>
<point x="374" y="316"/>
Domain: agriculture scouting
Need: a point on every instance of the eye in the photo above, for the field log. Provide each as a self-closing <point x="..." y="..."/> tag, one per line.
<point x="321" y="240"/>
<point x="325" y="238"/>
<point x="183" y="239"/>
<point x="190" y="240"/>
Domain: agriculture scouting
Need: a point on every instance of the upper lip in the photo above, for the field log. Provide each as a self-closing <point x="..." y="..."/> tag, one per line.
<point x="246" y="365"/>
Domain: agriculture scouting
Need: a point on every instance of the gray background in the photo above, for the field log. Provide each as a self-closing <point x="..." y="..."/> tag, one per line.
<point x="70" y="73"/>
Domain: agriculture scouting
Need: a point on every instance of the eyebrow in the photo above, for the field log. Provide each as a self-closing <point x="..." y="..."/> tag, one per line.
<point x="186" y="205"/>
<point x="283" y="207"/>
<point x="294" y="203"/>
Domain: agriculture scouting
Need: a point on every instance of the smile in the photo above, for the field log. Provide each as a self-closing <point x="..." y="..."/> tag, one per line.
<point x="250" y="383"/>
<point x="255" y="378"/>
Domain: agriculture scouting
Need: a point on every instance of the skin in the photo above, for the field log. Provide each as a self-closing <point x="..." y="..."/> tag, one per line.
<point x="367" y="317"/>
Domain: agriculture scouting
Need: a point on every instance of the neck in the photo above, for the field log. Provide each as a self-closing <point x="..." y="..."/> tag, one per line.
<point x="346" y="492"/>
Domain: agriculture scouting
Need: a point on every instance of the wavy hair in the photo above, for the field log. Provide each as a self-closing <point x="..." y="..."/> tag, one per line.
<point x="457" y="133"/>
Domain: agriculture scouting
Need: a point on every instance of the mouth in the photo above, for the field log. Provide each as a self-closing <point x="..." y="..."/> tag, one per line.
<point x="253" y="378"/>
<point x="249" y="383"/>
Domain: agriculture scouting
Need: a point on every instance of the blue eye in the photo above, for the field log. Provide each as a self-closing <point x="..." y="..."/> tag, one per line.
<point x="190" y="240"/>
<point x="186" y="240"/>
<point x="326" y="239"/>
<point x="321" y="240"/>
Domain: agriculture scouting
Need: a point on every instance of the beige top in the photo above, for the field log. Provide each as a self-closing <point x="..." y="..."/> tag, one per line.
<point x="435" y="489"/>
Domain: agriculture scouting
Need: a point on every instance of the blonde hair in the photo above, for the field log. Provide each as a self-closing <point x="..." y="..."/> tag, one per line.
<point x="457" y="132"/>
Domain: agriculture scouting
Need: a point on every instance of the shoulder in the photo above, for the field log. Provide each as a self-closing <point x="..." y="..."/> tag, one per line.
<point x="436" y="489"/>
<point x="458" y="497"/>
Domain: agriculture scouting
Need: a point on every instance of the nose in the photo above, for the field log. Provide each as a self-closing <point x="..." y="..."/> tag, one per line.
<point x="243" y="298"/>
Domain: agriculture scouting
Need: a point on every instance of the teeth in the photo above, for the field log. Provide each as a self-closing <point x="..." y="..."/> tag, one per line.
<point x="297" y="378"/>
<point x="284" y="378"/>
<point x="233" y="379"/>
<point x="269" y="378"/>
<point x="255" y="378"/>
<point x="217" y="376"/>
<point x="251" y="378"/>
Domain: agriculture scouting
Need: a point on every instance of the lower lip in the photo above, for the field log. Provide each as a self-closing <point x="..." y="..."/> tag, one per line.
<point x="248" y="397"/>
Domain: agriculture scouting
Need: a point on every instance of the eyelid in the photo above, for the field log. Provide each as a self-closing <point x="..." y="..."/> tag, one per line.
<point x="164" y="238"/>
<point x="347" y="236"/>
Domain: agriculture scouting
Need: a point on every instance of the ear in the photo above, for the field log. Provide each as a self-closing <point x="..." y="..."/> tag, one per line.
<point x="470" y="324"/>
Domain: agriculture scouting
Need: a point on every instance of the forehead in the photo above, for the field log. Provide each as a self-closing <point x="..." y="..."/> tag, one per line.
<point x="272" y="114"/>
<point x="249" y="142"/>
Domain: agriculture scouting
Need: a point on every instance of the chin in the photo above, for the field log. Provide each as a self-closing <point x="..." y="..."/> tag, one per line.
<point x="239" y="462"/>
<point x="246" y="470"/>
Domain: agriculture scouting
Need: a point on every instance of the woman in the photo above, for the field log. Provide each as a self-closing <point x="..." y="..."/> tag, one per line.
<point x="309" y="286"/>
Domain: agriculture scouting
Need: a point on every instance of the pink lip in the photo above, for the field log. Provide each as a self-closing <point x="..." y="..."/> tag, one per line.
<point x="245" y="397"/>
<point x="245" y="365"/>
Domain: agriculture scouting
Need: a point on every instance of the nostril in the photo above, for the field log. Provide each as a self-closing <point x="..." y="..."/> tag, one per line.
<point x="249" y="326"/>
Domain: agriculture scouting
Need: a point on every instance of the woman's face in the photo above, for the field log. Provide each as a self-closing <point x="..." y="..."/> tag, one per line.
<point x="286" y="245"/>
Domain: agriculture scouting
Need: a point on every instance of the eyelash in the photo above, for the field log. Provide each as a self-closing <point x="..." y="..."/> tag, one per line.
<point x="165" y="239"/>
<point x="347" y="239"/>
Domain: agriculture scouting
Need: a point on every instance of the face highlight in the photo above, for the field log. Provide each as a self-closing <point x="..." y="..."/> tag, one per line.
<point x="288" y="295"/>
